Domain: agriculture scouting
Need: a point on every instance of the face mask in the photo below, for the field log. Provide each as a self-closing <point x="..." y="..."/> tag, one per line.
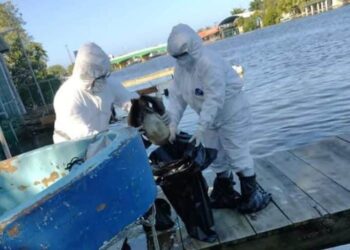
<point x="98" y="84"/>
<point x="185" y="61"/>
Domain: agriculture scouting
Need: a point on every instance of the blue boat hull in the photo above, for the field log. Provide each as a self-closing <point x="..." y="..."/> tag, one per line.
<point x="91" y="208"/>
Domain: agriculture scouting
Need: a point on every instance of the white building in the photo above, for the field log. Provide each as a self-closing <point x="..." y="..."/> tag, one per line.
<point x="313" y="7"/>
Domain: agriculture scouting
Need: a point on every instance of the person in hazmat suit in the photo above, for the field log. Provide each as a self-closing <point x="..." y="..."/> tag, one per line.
<point x="208" y="84"/>
<point x="84" y="103"/>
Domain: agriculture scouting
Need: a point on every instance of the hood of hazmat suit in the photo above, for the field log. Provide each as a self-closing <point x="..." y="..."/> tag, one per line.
<point x="91" y="63"/>
<point x="202" y="79"/>
<point x="83" y="104"/>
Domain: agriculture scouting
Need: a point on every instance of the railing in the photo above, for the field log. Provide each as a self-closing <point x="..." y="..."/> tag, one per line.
<point x="30" y="94"/>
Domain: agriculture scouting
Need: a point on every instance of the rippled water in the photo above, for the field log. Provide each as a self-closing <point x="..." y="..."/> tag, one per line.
<point x="297" y="78"/>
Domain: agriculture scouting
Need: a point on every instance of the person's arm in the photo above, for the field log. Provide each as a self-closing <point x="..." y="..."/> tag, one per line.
<point x="122" y="96"/>
<point x="177" y="104"/>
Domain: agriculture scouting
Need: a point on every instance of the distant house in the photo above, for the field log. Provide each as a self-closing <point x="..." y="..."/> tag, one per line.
<point x="228" y="27"/>
<point x="10" y="102"/>
<point x="210" y="34"/>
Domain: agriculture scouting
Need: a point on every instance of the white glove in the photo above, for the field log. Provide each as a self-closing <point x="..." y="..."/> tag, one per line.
<point x="166" y="118"/>
<point x="198" y="136"/>
<point x="173" y="132"/>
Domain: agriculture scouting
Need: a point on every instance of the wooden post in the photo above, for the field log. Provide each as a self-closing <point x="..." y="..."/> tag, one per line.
<point x="4" y="145"/>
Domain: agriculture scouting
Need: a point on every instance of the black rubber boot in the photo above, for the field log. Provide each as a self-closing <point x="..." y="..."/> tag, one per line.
<point x="254" y="198"/>
<point x="223" y="194"/>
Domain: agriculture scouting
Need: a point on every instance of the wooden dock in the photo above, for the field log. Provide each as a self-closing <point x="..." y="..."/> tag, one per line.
<point x="150" y="77"/>
<point x="310" y="209"/>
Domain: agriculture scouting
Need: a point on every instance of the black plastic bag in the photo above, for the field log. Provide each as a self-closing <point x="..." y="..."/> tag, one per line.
<point x="178" y="167"/>
<point x="163" y="216"/>
<point x="181" y="151"/>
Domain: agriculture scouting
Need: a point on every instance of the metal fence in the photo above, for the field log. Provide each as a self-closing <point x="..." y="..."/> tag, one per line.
<point x="30" y="93"/>
<point x="10" y="102"/>
<point x="18" y="138"/>
<point x="22" y="93"/>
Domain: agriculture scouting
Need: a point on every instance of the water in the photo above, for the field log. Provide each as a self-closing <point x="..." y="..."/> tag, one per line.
<point x="297" y="79"/>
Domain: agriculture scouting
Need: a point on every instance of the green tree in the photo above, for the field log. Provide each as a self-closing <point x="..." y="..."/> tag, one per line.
<point x="70" y="69"/>
<point x="285" y="6"/>
<point x="38" y="58"/>
<point x="272" y="12"/>
<point x="250" y="23"/>
<point x="56" y="70"/>
<point x="271" y="16"/>
<point x="22" y="47"/>
<point x="10" y="18"/>
<point x="236" y="11"/>
<point x="256" y="5"/>
<point x="290" y="6"/>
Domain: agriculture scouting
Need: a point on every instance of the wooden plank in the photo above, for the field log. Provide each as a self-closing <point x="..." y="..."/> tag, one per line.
<point x="231" y="226"/>
<point x="150" y="77"/>
<point x="184" y="241"/>
<point x="168" y="240"/>
<point x="203" y="245"/>
<point x="294" y="203"/>
<point x="268" y="219"/>
<point x="331" y="157"/>
<point x="147" y="91"/>
<point x="139" y="239"/>
<point x="181" y="238"/>
<point x="320" y="233"/>
<point x="332" y="197"/>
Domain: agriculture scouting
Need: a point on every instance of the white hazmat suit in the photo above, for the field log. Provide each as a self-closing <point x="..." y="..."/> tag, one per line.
<point x="84" y="102"/>
<point x="206" y="82"/>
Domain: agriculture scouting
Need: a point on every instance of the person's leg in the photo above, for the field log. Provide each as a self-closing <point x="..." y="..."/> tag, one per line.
<point x="234" y="139"/>
<point x="223" y="194"/>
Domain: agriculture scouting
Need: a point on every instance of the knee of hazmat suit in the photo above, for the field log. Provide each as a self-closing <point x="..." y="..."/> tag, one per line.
<point x="205" y="81"/>
<point x="83" y="103"/>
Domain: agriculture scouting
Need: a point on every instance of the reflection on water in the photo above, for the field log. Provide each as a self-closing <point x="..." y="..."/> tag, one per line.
<point x="297" y="78"/>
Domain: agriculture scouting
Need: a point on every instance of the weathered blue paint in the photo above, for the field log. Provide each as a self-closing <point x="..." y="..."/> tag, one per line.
<point x="88" y="206"/>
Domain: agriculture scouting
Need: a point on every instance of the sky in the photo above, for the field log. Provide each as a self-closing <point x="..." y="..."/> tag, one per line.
<point x="117" y="26"/>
